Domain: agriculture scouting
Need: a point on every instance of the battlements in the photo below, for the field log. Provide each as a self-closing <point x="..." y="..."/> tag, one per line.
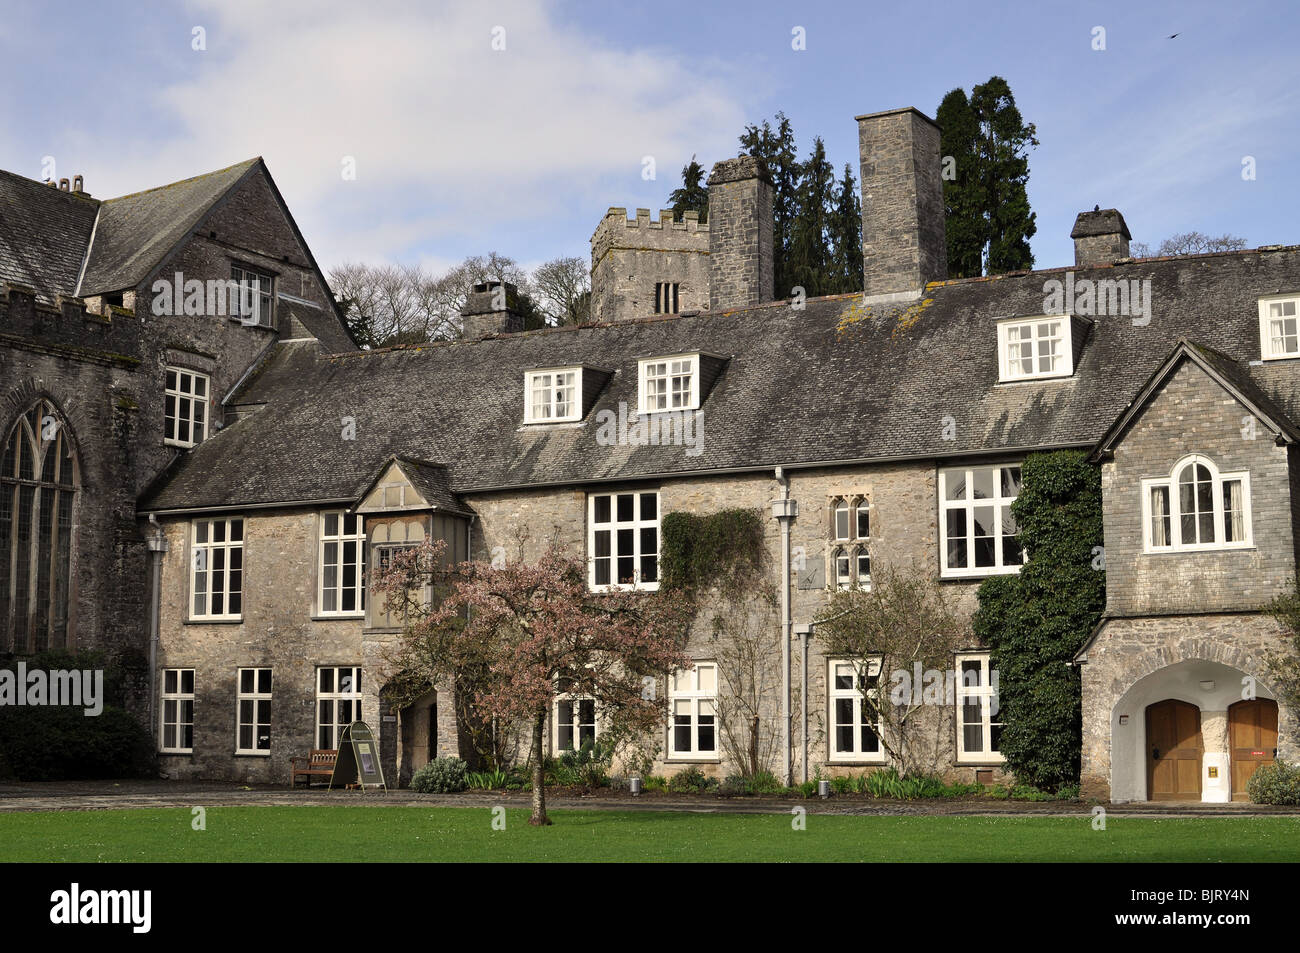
<point x="116" y="332"/>
<point x="643" y="233"/>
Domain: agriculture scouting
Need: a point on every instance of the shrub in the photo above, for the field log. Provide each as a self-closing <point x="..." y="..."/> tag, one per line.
<point x="1027" y="792"/>
<point x="441" y="776"/>
<point x="1276" y="783"/>
<point x="654" y="782"/>
<point x="586" y="767"/>
<point x="63" y="744"/>
<point x="807" y="789"/>
<point x="842" y="785"/>
<point x="487" y="780"/>
<point x="733" y="785"/>
<point x="691" y="781"/>
<point x="764" y="782"/>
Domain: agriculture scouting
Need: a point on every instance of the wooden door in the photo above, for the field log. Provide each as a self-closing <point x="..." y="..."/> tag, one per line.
<point x="1174" y="751"/>
<point x="1252" y="740"/>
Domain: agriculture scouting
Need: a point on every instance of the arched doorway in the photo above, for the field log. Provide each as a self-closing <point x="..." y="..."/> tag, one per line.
<point x="1252" y="740"/>
<point x="1174" y="750"/>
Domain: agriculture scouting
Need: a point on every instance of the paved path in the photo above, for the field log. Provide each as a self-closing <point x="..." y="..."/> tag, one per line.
<point x="109" y="795"/>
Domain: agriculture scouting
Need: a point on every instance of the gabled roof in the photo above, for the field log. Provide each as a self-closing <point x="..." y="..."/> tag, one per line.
<point x="430" y="480"/>
<point x="136" y="232"/>
<point x="44" y="232"/>
<point x="834" y="383"/>
<point x="1230" y="375"/>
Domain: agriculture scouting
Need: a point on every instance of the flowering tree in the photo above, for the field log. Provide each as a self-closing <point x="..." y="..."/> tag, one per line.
<point x="522" y="629"/>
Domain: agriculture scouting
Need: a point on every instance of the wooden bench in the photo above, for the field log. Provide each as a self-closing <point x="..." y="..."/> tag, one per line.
<point x="320" y="763"/>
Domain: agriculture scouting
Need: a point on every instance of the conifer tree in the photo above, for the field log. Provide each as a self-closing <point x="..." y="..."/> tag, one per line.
<point x="693" y="196"/>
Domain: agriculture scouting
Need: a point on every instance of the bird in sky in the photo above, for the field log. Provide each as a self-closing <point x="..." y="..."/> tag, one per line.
<point x="1172" y="35"/>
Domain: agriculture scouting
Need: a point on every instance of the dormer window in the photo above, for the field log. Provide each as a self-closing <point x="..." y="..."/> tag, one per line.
<point x="1279" y="332"/>
<point x="1035" y="348"/>
<point x="552" y="395"/>
<point x="670" y="383"/>
<point x="254" y="301"/>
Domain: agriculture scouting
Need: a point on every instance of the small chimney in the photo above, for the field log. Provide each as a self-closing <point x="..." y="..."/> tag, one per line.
<point x="491" y="308"/>
<point x="63" y="185"/>
<point x="903" y="244"/>
<point x="1100" y="237"/>
<point x="740" y="234"/>
<point x="78" y="184"/>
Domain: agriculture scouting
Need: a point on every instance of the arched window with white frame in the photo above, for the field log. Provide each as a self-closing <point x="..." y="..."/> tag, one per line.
<point x="1196" y="508"/>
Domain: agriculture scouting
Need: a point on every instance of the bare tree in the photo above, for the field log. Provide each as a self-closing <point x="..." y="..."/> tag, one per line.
<point x="1189" y="243"/>
<point x="747" y="644"/>
<point x="563" y="290"/>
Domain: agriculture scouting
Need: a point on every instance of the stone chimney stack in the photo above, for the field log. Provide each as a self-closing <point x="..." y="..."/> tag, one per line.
<point x="903" y="244"/>
<point x="1100" y="237"/>
<point x="491" y="308"/>
<point x="740" y="234"/>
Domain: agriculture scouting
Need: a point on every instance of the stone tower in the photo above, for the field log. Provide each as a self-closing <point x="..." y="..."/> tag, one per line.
<point x="903" y="244"/>
<point x="641" y="267"/>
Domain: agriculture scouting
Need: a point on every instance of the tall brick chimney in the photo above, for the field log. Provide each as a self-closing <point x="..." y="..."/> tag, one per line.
<point x="740" y="234"/>
<point x="903" y="243"/>
<point x="491" y="308"/>
<point x="1100" y="237"/>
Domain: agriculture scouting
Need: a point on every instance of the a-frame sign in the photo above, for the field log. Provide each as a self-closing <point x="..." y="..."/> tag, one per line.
<point x="358" y="760"/>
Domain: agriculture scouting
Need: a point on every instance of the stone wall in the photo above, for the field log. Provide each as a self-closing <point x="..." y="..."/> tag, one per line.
<point x="740" y="234"/>
<point x="629" y="256"/>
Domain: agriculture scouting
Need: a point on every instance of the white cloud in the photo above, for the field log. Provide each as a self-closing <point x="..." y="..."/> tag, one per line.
<point x="451" y="138"/>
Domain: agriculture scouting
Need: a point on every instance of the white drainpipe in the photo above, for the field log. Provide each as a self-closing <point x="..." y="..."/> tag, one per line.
<point x="804" y="631"/>
<point x="157" y="543"/>
<point x="783" y="511"/>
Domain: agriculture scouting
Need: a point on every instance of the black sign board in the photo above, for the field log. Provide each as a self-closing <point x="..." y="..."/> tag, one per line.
<point x="358" y="761"/>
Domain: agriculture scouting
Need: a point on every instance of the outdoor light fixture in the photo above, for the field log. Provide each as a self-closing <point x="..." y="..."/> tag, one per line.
<point x="1123" y="719"/>
<point x="823" y="789"/>
<point x="635" y="785"/>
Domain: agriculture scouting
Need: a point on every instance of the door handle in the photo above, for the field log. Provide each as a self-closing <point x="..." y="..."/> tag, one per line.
<point x="1155" y="752"/>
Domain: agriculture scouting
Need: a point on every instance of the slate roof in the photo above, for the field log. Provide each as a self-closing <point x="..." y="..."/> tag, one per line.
<point x="136" y="232"/>
<point x="834" y="383"/>
<point x="43" y="235"/>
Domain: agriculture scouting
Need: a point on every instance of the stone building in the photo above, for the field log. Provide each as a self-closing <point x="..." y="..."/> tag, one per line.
<point x="876" y="430"/>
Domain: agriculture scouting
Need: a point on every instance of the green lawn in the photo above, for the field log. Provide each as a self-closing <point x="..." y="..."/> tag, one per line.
<point x="465" y="834"/>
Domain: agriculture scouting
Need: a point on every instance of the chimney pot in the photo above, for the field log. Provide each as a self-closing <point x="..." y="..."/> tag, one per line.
<point x="78" y="183"/>
<point x="63" y="185"/>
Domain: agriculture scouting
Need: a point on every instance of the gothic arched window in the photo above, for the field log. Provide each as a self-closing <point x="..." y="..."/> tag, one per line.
<point x="38" y="480"/>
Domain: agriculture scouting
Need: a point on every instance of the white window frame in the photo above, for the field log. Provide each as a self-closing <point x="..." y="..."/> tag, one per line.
<point x="1266" y="350"/>
<point x="249" y="279"/>
<point x="696" y="698"/>
<point x="197" y="419"/>
<point x="339" y="539"/>
<point x="575" y="699"/>
<point x="645" y="365"/>
<point x="988" y="718"/>
<point x="636" y="525"/>
<point x="841" y="568"/>
<point x="861" y="667"/>
<point x="256" y="697"/>
<point x="202" y="565"/>
<point x="1000" y="505"/>
<point x="1063" y="364"/>
<point x="336" y="697"/>
<point x="546" y="412"/>
<point x="179" y="697"/>
<point x="1170" y="485"/>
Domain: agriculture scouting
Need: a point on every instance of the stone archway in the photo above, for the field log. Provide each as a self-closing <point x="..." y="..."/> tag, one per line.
<point x="1210" y="686"/>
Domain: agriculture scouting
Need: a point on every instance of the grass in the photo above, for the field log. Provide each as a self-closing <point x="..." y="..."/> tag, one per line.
<point x="351" y="834"/>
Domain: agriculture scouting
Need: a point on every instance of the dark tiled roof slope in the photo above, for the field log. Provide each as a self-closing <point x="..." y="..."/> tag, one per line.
<point x="830" y="383"/>
<point x="43" y="235"/>
<point x="319" y="323"/>
<point x="135" y="232"/>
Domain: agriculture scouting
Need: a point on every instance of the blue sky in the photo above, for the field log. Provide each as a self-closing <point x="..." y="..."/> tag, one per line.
<point x="460" y="149"/>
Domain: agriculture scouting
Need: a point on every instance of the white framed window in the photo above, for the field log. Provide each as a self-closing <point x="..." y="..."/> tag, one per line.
<point x="185" y="410"/>
<point x="842" y="565"/>
<point x="342" y="564"/>
<point x="977" y="533"/>
<point x="255" y="297"/>
<point x="979" y="724"/>
<point x="338" y="702"/>
<point x="862" y="520"/>
<point x="1196" y="508"/>
<point x="574" y="718"/>
<point x="623" y="540"/>
<point x="666" y="297"/>
<point x="177" y="711"/>
<point x="1032" y="348"/>
<point x="840" y="520"/>
<point x="850" y="559"/>
<point x="862" y="566"/>
<point x="853" y="691"/>
<point x="1279" y="332"/>
<point x="552" y="395"/>
<point x="253" y="712"/>
<point x="693" y="701"/>
<point x="669" y="383"/>
<point x="217" y="569"/>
